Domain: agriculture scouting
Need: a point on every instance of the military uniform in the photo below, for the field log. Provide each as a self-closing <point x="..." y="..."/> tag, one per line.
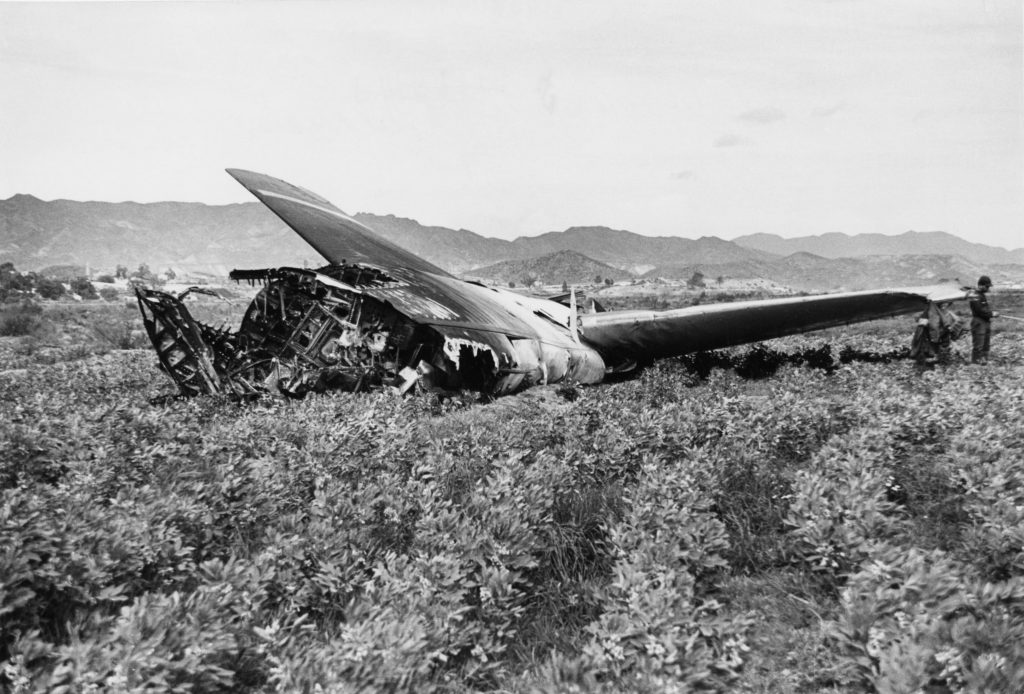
<point x="937" y="327"/>
<point x="981" y="323"/>
<point x="950" y="328"/>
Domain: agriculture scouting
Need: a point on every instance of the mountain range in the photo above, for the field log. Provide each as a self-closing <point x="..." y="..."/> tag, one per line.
<point x="560" y="267"/>
<point x="213" y="239"/>
<point x="834" y="245"/>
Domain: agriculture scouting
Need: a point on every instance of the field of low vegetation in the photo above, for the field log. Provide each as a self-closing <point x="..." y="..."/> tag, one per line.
<point x="812" y="514"/>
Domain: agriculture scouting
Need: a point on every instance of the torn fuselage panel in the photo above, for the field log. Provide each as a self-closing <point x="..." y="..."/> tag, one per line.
<point x="453" y="347"/>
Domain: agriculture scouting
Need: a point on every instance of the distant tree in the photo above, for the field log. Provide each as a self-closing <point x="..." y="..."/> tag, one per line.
<point x="13" y="281"/>
<point x="83" y="287"/>
<point x="697" y="280"/>
<point x="720" y="280"/>
<point x="565" y="287"/>
<point x="511" y="284"/>
<point x="529" y="279"/>
<point x="24" y="282"/>
<point x="597" y="279"/>
<point x="143" y="271"/>
<point x="109" y="293"/>
<point x="122" y="272"/>
<point x="609" y="281"/>
<point x="7" y="275"/>
<point x="170" y="274"/>
<point x="49" y="289"/>
<point x="105" y="279"/>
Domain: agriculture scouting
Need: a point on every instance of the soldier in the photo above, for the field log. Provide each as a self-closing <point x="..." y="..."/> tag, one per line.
<point x="981" y="322"/>
<point x="950" y="328"/>
<point x="923" y="346"/>
<point x="937" y="327"/>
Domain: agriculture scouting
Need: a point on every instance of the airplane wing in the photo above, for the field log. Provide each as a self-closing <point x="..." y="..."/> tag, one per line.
<point x="621" y="336"/>
<point x="420" y="290"/>
<point x="467" y="314"/>
<point x="334" y="235"/>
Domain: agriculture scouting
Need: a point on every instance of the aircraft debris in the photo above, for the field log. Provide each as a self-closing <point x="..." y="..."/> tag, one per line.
<point x="377" y="316"/>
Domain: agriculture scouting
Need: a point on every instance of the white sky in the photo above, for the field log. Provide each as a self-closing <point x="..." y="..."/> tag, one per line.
<point x="704" y="117"/>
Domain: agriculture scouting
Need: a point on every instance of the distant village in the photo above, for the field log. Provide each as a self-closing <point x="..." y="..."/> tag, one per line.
<point x="78" y="283"/>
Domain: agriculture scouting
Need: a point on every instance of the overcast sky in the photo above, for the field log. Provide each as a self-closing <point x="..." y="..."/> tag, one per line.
<point x="704" y="117"/>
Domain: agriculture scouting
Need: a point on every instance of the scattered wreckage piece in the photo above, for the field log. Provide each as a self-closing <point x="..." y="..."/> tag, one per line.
<point x="378" y="316"/>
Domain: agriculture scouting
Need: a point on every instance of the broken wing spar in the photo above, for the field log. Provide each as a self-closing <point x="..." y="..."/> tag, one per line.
<point x="379" y="316"/>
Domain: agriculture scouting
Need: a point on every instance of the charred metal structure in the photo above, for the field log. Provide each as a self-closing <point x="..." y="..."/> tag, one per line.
<point x="310" y="331"/>
<point x="378" y="316"/>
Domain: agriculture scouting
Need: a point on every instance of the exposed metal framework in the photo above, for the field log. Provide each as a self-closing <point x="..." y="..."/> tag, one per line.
<point x="307" y="331"/>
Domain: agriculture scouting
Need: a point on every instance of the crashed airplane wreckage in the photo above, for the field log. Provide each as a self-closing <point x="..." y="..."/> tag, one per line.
<point x="378" y="316"/>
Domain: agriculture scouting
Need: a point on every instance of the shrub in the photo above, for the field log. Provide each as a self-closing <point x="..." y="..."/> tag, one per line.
<point x="912" y="620"/>
<point x="23" y="318"/>
<point x="655" y="625"/>
<point x="49" y="289"/>
<point x="566" y="539"/>
<point x="83" y="287"/>
<point x="991" y="478"/>
<point x="840" y="503"/>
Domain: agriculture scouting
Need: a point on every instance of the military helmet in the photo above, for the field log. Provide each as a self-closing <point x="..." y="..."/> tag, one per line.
<point x="985" y="280"/>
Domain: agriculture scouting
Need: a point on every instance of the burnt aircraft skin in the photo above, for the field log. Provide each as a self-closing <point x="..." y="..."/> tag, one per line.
<point x="378" y="316"/>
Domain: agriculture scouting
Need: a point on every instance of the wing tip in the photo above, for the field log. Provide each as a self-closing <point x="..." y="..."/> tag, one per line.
<point x="243" y="175"/>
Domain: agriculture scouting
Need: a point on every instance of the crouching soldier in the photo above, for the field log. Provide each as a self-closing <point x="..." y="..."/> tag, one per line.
<point x="937" y="327"/>
<point x="923" y="346"/>
<point x="951" y="328"/>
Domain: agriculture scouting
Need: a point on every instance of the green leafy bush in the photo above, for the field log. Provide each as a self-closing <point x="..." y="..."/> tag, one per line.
<point x="912" y="620"/>
<point x="572" y="539"/>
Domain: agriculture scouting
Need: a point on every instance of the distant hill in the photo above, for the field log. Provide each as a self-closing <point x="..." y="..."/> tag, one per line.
<point x="627" y="250"/>
<point x="836" y="245"/>
<point x="803" y="271"/>
<point x="554" y="268"/>
<point x="216" y="238"/>
<point x="35" y="233"/>
<point x="455" y="250"/>
<point x="810" y="272"/>
<point x="806" y="271"/>
<point x="462" y="250"/>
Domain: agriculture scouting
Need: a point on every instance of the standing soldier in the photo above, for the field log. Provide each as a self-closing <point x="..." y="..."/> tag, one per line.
<point x="981" y="322"/>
